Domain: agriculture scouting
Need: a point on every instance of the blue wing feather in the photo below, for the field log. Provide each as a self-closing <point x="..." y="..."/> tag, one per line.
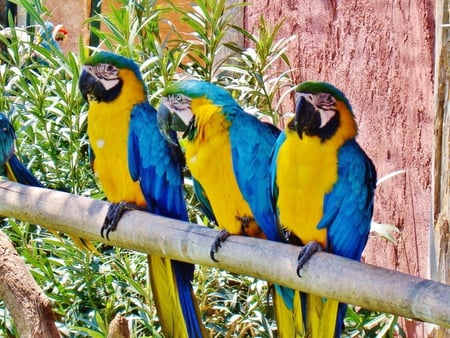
<point x="154" y="162"/>
<point x="348" y="207"/>
<point x="273" y="169"/>
<point x="10" y="165"/>
<point x="252" y="142"/>
<point x="200" y="193"/>
<point x="20" y="173"/>
<point x="158" y="166"/>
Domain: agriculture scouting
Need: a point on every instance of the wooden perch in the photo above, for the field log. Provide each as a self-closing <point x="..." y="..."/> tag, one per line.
<point x="328" y="275"/>
<point x="27" y="304"/>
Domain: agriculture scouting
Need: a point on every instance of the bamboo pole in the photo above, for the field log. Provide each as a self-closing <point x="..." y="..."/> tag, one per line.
<point x="324" y="274"/>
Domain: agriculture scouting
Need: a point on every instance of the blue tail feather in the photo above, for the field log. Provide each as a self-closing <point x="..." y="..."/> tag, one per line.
<point x="184" y="274"/>
<point x="21" y="174"/>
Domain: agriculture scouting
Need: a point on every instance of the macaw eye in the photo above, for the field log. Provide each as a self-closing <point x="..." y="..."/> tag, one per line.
<point x="326" y="98"/>
<point x="110" y="68"/>
<point x="106" y="71"/>
<point x="178" y="98"/>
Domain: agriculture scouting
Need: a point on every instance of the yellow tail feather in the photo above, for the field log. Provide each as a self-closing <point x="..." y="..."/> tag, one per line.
<point x="165" y="297"/>
<point x="81" y="243"/>
<point x="321" y="316"/>
<point x="289" y="321"/>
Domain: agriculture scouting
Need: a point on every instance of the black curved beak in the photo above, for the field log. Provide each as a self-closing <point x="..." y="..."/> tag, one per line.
<point x="306" y="119"/>
<point x="164" y="119"/>
<point x="89" y="84"/>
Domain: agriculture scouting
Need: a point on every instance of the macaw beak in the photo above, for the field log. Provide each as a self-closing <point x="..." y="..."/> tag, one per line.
<point x="306" y="119"/>
<point x="89" y="85"/>
<point x="165" y="118"/>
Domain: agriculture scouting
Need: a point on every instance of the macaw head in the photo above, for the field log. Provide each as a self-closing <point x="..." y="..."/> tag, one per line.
<point x="51" y="34"/>
<point x="104" y="74"/>
<point x="180" y="100"/>
<point x="59" y="33"/>
<point x="7" y="137"/>
<point x="321" y="111"/>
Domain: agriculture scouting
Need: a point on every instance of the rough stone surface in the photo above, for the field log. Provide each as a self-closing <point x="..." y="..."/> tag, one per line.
<point x="381" y="54"/>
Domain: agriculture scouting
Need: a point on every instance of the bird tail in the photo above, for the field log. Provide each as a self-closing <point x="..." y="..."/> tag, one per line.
<point x="288" y="312"/>
<point x="16" y="171"/>
<point x="322" y="316"/>
<point x="174" y="298"/>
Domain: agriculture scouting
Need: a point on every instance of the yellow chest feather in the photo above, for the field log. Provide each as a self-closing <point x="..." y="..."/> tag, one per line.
<point x="209" y="159"/>
<point x="108" y="125"/>
<point x="306" y="171"/>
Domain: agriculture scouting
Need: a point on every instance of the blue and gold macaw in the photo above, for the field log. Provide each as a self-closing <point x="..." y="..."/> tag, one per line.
<point x="323" y="190"/>
<point x="228" y="153"/>
<point x="10" y="166"/>
<point x="137" y="167"/>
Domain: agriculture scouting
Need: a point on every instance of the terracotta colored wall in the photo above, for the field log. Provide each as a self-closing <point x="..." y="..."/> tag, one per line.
<point x="381" y="54"/>
<point x="72" y="15"/>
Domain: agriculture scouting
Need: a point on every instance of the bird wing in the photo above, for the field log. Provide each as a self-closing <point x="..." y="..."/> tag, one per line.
<point x="156" y="164"/>
<point x="251" y="146"/>
<point x="348" y="207"/>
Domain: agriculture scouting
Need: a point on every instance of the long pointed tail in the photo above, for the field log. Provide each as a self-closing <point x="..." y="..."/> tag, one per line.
<point x="288" y="312"/>
<point x="322" y="320"/>
<point x="174" y="298"/>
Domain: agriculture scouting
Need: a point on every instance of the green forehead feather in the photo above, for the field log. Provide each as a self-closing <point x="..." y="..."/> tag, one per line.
<point x="196" y="88"/>
<point x="315" y="87"/>
<point x="114" y="59"/>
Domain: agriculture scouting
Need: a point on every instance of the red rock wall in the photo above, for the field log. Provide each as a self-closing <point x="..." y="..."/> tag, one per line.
<point x="381" y="54"/>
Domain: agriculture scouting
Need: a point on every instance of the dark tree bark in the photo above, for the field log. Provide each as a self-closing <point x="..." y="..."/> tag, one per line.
<point x="27" y="304"/>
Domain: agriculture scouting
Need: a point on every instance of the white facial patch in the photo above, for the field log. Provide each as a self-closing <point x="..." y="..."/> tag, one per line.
<point x="109" y="83"/>
<point x="325" y="104"/>
<point x="181" y="105"/>
<point x="185" y="115"/>
<point x="325" y="116"/>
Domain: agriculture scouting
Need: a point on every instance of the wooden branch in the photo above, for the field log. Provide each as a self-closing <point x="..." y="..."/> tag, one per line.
<point x="118" y="328"/>
<point x="29" y="307"/>
<point x="328" y="275"/>
<point x="440" y="231"/>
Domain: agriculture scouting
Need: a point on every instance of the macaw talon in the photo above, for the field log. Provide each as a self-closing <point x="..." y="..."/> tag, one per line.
<point x="305" y="254"/>
<point x="113" y="216"/>
<point x="220" y="238"/>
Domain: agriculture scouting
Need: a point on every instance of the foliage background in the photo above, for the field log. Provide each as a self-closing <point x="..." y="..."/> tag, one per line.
<point x="41" y="97"/>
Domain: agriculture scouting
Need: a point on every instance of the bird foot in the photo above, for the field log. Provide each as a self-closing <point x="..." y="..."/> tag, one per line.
<point x="221" y="237"/>
<point x="305" y="254"/>
<point x="113" y="216"/>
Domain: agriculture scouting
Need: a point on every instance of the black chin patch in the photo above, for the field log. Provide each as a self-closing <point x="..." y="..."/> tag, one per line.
<point x="307" y="121"/>
<point x="111" y="94"/>
<point x="327" y="131"/>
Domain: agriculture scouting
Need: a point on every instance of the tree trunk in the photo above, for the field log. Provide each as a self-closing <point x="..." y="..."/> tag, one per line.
<point x="440" y="237"/>
<point x="27" y="304"/>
